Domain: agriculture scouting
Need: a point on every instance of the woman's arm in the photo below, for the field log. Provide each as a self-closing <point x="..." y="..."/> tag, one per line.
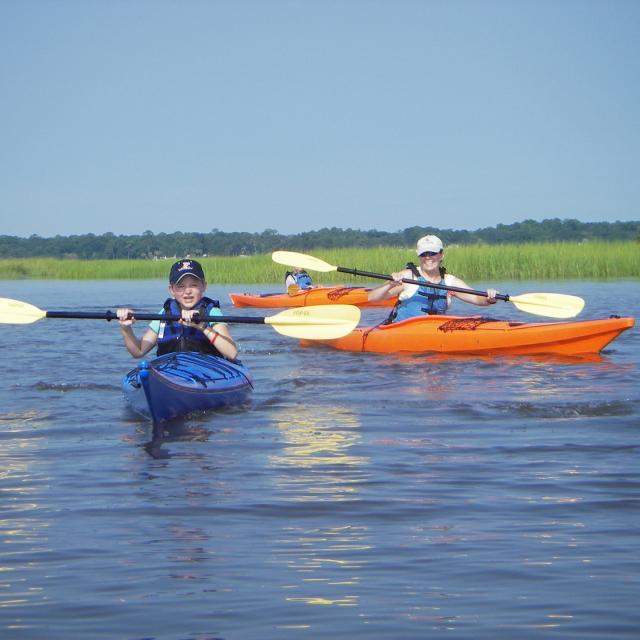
<point x="472" y="298"/>
<point x="389" y="289"/>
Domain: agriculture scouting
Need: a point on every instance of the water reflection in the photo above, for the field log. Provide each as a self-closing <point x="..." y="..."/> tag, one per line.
<point x="23" y="536"/>
<point x="167" y="432"/>
<point x="315" y="461"/>
<point x="543" y="359"/>
<point x="178" y="432"/>
<point x="327" y="563"/>
<point x="317" y="466"/>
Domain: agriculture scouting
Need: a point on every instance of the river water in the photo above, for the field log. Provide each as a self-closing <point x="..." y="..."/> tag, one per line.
<point x="359" y="496"/>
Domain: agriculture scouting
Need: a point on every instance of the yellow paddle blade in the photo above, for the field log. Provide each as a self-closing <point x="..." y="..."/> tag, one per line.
<point x="301" y="260"/>
<point x="552" y="305"/>
<point x="16" y="312"/>
<point x="322" y="322"/>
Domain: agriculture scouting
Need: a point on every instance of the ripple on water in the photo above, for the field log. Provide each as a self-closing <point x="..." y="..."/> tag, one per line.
<point x="65" y="387"/>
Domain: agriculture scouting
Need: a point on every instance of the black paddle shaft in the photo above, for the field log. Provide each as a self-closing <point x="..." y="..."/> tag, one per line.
<point x="369" y="274"/>
<point x="111" y="315"/>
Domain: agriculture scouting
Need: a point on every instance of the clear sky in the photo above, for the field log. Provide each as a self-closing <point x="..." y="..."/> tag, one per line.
<point x="240" y="115"/>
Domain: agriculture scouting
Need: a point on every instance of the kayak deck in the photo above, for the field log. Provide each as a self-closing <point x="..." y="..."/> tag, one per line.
<point x="177" y="384"/>
<point x="357" y="296"/>
<point x="477" y="335"/>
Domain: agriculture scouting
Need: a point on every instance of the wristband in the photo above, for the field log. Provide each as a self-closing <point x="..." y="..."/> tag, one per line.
<point x="215" y="337"/>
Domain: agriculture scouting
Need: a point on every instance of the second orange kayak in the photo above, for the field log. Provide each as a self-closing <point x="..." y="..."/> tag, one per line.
<point x="477" y="335"/>
<point x="319" y="295"/>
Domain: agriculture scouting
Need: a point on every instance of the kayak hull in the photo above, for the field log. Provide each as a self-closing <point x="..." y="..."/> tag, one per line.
<point x="357" y="296"/>
<point x="177" y="384"/>
<point x="476" y="335"/>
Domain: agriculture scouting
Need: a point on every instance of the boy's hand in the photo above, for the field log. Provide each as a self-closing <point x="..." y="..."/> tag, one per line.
<point x="191" y="318"/>
<point x="125" y="317"/>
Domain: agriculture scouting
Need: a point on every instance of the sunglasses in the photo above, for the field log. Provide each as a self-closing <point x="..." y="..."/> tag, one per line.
<point x="429" y="254"/>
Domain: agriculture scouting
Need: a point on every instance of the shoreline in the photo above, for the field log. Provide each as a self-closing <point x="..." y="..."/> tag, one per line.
<point x="544" y="261"/>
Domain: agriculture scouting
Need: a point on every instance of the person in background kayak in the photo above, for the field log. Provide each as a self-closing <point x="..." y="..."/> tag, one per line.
<point x="414" y="300"/>
<point x="296" y="280"/>
<point x="187" y="285"/>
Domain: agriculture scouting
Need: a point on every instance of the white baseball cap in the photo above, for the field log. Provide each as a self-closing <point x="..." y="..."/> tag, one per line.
<point x="429" y="243"/>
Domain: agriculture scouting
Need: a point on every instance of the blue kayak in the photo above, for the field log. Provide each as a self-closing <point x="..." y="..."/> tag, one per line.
<point x="178" y="384"/>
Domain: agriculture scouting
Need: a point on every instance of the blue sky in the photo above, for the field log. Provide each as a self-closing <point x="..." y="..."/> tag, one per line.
<point x="127" y="116"/>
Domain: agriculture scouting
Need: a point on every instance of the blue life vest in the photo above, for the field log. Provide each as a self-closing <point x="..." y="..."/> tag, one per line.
<point x="175" y="336"/>
<point x="426" y="299"/>
<point x="302" y="278"/>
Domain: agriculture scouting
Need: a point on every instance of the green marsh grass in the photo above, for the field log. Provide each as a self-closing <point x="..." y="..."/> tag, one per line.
<point x="477" y="264"/>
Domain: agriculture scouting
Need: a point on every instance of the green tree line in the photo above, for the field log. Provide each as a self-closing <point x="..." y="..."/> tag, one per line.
<point x="148" y="245"/>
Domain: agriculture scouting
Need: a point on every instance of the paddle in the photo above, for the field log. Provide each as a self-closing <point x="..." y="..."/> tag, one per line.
<point x="323" y="322"/>
<point x="553" y="305"/>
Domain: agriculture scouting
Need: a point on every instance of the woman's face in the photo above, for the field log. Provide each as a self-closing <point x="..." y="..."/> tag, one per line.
<point x="431" y="260"/>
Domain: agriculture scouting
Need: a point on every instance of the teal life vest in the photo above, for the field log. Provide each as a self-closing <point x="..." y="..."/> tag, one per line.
<point x="174" y="336"/>
<point x="302" y="278"/>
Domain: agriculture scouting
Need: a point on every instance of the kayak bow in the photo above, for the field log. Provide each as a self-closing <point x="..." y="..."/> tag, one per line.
<point x="177" y="384"/>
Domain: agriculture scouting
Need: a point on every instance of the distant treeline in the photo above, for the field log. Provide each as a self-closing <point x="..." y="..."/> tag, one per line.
<point x="109" y="246"/>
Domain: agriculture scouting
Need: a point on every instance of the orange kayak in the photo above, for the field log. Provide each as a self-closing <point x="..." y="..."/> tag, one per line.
<point x="320" y="295"/>
<point x="477" y="335"/>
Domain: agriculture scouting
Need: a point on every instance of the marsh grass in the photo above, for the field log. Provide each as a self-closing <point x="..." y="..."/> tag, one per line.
<point x="474" y="264"/>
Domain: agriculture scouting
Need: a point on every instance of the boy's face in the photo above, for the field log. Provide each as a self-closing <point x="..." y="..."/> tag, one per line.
<point x="188" y="291"/>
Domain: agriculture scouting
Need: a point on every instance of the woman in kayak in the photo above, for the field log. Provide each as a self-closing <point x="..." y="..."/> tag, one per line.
<point x="416" y="300"/>
<point x="296" y="280"/>
<point x="187" y="285"/>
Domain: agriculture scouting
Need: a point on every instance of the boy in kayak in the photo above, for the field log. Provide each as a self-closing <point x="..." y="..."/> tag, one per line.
<point x="416" y="300"/>
<point x="296" y="280"/>
<point x="187" y="285"/>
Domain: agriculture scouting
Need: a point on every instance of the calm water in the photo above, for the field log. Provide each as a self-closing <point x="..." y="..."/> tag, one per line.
<point x="360" y="496"/>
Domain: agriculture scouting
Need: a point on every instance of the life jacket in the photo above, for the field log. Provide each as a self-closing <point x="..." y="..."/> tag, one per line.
<point x="426" y="299"/>
<point x="174" y="336"/>
<point x="302" y="278"/>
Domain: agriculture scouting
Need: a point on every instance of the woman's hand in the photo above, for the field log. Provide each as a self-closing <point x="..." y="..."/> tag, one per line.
<point x="491" y="296"/>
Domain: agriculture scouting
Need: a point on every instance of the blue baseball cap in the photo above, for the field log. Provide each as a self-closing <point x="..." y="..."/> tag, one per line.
<point x="184" y="268"/>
